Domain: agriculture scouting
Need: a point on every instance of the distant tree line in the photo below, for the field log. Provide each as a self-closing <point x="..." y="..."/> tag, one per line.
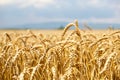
<point x="61" y="28"/>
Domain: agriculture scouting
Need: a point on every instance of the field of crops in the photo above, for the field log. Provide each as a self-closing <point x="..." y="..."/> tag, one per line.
<point x="63" y="55"/>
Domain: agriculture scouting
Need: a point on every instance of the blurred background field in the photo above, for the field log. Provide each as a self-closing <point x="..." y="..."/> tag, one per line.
<point x="58" y="32"/>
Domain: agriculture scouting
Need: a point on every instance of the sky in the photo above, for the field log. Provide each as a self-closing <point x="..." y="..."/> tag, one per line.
<point x="18" y="12"/>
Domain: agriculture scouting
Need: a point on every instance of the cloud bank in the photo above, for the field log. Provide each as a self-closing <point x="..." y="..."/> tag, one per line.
<point x="13" y="12"/>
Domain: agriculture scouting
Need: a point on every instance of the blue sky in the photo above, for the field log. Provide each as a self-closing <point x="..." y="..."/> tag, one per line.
<point x="18" y="12"/>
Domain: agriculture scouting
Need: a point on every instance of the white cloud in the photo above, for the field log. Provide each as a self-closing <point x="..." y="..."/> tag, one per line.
<point x="6" y="2"/>
<point x="113" y="5"/>
<point x="114" y="20"/>
<point x="27" y="3"/>
<point x="36" y="3"/>
<point x="35" y="19"/>
<point x="58" y="3"/>
<point x="90" y="3"/>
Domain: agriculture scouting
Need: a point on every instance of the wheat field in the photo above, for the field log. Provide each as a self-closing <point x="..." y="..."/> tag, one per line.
<point x="60" y="55"/>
